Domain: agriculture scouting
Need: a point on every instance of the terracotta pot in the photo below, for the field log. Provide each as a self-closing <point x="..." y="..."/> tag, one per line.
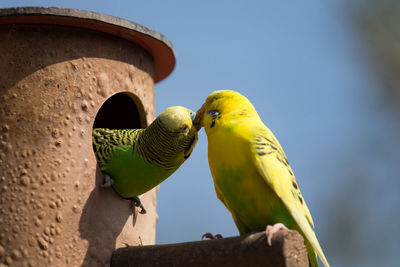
<point x="64" y="72"/>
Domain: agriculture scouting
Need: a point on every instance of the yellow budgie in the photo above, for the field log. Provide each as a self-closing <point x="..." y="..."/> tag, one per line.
<point x="252" y="176"/>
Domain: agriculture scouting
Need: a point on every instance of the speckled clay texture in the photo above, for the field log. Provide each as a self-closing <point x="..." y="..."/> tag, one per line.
<point x="53" y="81"/>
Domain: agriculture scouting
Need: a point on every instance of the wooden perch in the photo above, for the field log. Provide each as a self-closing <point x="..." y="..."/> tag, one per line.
<point x="287" y="249"/>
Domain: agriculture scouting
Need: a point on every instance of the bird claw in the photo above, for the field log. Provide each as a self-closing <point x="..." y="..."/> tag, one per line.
<point x="272" y="229"/>
<point x="137" y="203"/>
<point x="107" y="181"/>
<point x="211" y="236"/>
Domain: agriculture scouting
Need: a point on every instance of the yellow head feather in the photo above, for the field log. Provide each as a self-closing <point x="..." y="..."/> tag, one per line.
<point x="227" y="103"/>
<point x="178" y="124"/>
<point x="177" y="119"/>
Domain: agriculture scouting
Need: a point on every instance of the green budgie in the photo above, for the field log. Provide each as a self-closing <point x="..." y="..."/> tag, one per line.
<point x="136" y="160"/>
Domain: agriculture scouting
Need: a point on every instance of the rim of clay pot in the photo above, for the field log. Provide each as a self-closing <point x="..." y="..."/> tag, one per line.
<point x="156" y="44"/>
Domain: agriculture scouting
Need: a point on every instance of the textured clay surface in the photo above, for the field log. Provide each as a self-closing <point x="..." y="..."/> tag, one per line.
<point x="53" y="82"/>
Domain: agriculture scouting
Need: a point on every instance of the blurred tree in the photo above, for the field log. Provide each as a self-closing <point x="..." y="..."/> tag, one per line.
<point x="364" y="211"/>
<point x="378" y="23"/>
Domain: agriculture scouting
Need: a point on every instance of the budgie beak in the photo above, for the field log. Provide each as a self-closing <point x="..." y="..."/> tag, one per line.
<point x="197" y="122"/>
<point x="199" y="117"/>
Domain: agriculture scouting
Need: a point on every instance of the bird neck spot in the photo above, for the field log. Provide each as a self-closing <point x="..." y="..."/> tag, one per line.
<point x="212" y="124"/>
<point x="215" y="115"/>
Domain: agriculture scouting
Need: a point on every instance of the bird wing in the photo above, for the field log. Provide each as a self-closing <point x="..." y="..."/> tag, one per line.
<point x="106" y="141"/>
<point x="272" y="164"/>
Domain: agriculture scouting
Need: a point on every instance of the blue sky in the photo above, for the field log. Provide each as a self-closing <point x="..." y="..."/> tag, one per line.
<point x="299" y="63"/>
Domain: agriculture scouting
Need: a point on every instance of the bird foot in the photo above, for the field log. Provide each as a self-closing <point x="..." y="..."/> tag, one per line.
<point x="107" y="181"/>
<point x="211" y="236"/>
<point x="272" y="229"/>
<point x="137" y="203"/>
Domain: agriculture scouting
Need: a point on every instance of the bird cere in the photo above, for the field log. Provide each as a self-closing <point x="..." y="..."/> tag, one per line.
<point x="252" y="176"/>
